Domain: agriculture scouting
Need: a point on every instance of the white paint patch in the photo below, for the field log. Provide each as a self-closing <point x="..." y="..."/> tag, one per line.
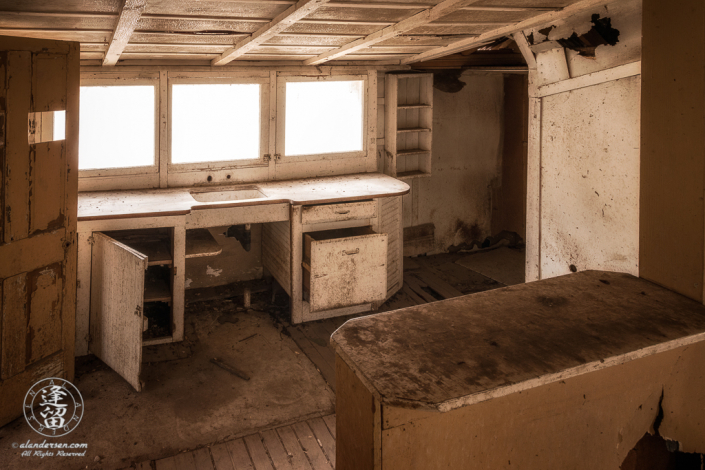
<point x="213" y="272"/>
<point x="187" y="283"/>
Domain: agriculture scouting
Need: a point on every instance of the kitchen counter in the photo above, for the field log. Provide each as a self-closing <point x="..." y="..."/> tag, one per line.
<point x="179" y="201"/>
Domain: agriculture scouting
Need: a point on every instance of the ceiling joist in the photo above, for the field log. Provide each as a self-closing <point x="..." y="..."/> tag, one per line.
<point x="539" y="20"/>
<point x="127" y="22"/>
<point x="284" y="20"/>
<point x="419" y="19"/>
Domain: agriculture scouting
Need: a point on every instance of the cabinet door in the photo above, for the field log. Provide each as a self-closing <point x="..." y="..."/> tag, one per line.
<point x="346" y="271"/>
<point x="117" y="293"/>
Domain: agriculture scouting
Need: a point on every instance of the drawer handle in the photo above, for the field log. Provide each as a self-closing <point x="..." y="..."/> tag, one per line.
<point x="343" y="212"/>
<point x="351" y="252"/>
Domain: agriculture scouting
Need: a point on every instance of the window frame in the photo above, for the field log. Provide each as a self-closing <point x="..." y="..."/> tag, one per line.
<point x="153" y="169"/>
<point x="281" y="118"/>
<point x="262" y="161"/>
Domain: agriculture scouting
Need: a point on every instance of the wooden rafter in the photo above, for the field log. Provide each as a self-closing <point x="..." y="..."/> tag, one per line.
<point x="127" y="22"/>
<point x="523" y="44"/>
<point x="419" y="19"/>
<point x="283" y="21"/>
<point x="538" y="20"/>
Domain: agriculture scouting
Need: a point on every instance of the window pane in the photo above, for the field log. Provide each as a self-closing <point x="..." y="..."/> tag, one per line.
<point x="214" y="123"/>
<point x="116" y="127"/>
<point x="59" y="125"/>
<point x="323" y="117"/>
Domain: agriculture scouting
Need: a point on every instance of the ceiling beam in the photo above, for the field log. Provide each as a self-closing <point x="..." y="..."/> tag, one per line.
<point x="520" y="39"/>
<point x="127" y="22"/>
<point x="538" y="20"/>
<point x="419" y="19"/>
<point x="281" y="22"/>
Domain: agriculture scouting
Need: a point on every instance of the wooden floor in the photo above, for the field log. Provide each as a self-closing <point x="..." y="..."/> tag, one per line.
<point x="307" y="445"/>
<point x="310" y="445"/>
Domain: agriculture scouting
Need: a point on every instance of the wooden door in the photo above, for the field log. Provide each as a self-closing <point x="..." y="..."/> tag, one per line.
<point x="117" y="297"/>
<point x="38" y="204"/>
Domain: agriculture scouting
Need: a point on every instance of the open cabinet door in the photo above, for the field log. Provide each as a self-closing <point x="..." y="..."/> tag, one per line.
<point x="117" y="295"/>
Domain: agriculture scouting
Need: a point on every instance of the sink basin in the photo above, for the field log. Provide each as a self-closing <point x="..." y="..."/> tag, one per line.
<point x="220" y="195"/>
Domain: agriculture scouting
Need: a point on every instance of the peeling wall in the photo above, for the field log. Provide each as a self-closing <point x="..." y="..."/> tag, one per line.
<point x="586" y="153"/>
<point x="466" y="161"/>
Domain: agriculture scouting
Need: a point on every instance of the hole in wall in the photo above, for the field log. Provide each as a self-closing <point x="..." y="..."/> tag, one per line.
<point x="657" y="453"/>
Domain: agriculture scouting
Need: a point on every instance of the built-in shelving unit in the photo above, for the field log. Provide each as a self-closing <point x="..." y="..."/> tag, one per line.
<point x="408" y="124"/>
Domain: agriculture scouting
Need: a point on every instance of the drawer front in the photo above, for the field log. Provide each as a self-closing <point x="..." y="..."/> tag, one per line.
<point x="338" y="212"/>
<point x="348" y="271"/>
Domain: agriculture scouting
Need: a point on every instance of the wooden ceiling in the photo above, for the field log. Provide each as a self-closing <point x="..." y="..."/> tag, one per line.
<point x="308" y="32"/>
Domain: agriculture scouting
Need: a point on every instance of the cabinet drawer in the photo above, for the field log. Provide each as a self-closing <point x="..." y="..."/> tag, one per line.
<point x="345" y="267"/>
<point x="338" y="212"/>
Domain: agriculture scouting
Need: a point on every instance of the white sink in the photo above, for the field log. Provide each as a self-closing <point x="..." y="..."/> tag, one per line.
<point x="221" y="195"/>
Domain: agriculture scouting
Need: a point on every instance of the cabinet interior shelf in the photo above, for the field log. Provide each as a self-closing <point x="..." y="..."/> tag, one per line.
<point x="156" y="289"/>
<point x="413" y="106"/>
<point x="200" y="243"/>
<point x="413" y="129"/>
<point x="403" y="153"/>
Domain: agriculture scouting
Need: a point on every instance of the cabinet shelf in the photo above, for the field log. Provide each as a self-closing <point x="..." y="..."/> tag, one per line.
<point x="408" y="124"/>
<point x="413" y="129"/>
<point x="200" y="243"/>
<point x="414" y="106"/>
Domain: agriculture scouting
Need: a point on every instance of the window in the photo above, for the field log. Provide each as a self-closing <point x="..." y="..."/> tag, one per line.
<point x="117" y="127"/>
<point x="215" y="122"/>
<point x="324" y="117"/>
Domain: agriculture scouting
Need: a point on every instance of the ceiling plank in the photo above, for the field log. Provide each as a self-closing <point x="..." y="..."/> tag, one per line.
<point x="419" y="19"/>
<point x="538" y="20"/>
<point x="281" y="22"/>
<point x="127" y="22"/>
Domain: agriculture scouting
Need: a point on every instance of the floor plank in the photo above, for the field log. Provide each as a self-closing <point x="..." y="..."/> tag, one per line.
<point x="238" y="453"/>
<point x="293" y="448"/>
<point x="221" y="457"/>
<point x="438" y="284"/>
<point x="324" y="438"/>
<point x="311" y="447"/>
<point x="202" y="459"/>
<point x="166" y="464"/>
<point x="258" y="453"/>
<point x="330" y="422"/>
<point x="280" y="458"/>
<point x="415" y="285"/>
<point x="319" y="355"/>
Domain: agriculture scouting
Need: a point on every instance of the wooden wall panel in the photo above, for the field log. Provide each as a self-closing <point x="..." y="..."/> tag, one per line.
<point x="44" y="321"/>
<point x="14" y="326"/>
<point x="49" y="82"/>
<point x="19" y="80"/>
<point x="672" y="214"/>
<point x="47" y="184"/>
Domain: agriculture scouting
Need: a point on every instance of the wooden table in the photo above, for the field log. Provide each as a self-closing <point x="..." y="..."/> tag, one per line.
<point x="560" y="373"/>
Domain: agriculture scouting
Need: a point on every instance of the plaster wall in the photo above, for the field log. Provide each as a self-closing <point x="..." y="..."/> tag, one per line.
<point x="466" y="164"/>
<point x="583" y="191"/>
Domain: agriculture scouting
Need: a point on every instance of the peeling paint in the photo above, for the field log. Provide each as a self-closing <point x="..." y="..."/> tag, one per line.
<point x="213" y="272"/>
<point x="187" y="283"/>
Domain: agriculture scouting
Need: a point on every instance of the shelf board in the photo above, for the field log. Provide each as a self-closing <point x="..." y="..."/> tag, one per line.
<point x="156" y="289"/>
<point x="403" y="153"/>
<point x="412" y="174"/>
<point x="413" y="129"/>
<point x="200" y="243"/>
<point x="413" y="106"/>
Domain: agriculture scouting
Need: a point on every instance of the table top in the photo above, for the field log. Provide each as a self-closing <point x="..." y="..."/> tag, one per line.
<point x="457" y="352"/>
<point x="100" y="205"/>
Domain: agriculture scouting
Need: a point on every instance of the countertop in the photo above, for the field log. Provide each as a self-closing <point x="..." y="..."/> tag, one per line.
<point x="465" y="350"/>
<point x="100" y="205"/>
